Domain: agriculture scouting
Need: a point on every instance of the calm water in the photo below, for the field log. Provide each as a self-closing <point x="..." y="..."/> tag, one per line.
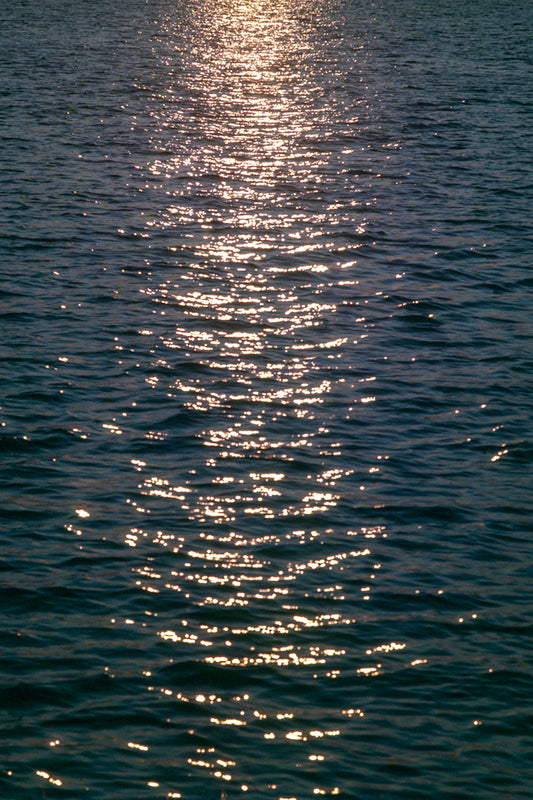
<point x="266" y="399"/>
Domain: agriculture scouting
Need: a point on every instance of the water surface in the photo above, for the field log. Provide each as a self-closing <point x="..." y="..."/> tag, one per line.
<point x="266" y="407"/>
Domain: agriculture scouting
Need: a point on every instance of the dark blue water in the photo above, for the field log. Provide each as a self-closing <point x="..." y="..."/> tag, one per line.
<point x="266" y="400"/>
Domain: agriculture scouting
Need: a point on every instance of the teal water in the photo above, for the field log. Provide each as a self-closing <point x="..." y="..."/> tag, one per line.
<point x="266" y="400"/>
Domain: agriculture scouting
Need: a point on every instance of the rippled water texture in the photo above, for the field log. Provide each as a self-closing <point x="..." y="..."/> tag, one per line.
<point x="266" y="400"/>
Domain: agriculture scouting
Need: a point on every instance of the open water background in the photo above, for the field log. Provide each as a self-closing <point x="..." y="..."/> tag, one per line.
<point x="266" y="302"/>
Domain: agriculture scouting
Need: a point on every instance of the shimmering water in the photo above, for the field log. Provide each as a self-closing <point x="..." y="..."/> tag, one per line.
<point x="266" y="399"/>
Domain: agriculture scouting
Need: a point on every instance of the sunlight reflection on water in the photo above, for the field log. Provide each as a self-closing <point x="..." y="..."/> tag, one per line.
<point x="259" y="258"/>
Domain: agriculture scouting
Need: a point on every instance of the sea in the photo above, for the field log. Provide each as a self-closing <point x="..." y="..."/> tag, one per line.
<point x="266" y="304"/>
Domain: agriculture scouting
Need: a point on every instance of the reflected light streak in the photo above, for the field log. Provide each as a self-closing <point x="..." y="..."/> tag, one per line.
<point x="246" y="351"/>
